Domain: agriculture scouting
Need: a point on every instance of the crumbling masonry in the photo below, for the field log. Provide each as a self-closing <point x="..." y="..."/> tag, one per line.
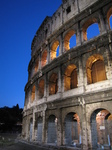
<point x="68" y="96"/>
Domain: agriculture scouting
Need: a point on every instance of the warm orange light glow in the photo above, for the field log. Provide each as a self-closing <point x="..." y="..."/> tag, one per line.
<point x="41" y="88"/>
<point x="70" y="78"/>
<point x="54" y="49"/>
<point x="44" y="58"/>
<point x="67" y="39"/>
<point x="53" y="84"/>
<point x="95" y="73"/>
<point x="109" y="14"/>
<point x="36" y="65"/>
<point x="33" y="94"/>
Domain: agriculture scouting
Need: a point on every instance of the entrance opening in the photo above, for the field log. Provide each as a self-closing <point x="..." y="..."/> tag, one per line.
<point x="101" y="124"/>
<point x="72" y="129"/>
<point x="51" y="132"/>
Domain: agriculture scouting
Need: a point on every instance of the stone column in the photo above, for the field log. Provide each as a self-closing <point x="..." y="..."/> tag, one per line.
<point x="33" y="129"/>
<point x="61" y="44"/>
<point x="48" y="53"/>
<point x="78" y="35"/>
<point x="44" y="124"/>
<point x="45" y="86"/>
<point x="59" y="80"/>
<point x="108" y="63"/>
<point x="102" y="23"/>
<point x="40" y="61"/>
<point x="80" y="73"/>
<point x="106" y="22"/>
<point x="27" y="128"/>
<point x="83" y="124"/>
<point x="59" y="127"/>
<point x="81" y="33"/>
<point x="36" y="92"/>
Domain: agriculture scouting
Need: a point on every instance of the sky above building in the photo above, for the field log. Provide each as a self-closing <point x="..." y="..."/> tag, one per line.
<point x="19" y="21"/>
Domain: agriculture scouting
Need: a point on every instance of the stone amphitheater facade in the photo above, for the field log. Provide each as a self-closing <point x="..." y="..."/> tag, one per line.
<point x="68" y="96"/>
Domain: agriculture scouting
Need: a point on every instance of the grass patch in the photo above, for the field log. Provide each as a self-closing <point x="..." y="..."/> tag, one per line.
<point x="6" y="140"/>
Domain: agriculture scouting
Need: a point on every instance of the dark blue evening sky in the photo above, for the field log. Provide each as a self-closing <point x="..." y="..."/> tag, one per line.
<point x="19" y="21"/>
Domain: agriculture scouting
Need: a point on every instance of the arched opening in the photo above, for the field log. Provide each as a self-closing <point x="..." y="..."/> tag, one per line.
<point x="72" y="129"/>
<point x="70" y="77"/>
<point x="33" y="94"/>
<point x="92" y="23"/>
<point x="73" y="41"/>
<point x="70" y="40"/>
<point x="109" y="17"/>
<point x="101" y="124"/>
<point x="31" y="128"/>
<point x="98" y="71"/>
<point x="44" y="58"/>
<point x="36" y="65"/>
<point x="55" y="50"/>
<point x="51" y="130"/>
<point x="41" y="88"/>
<point x="95" y="68"/>
<point x="92" y="31"/>
<point x="53" y="84"/>
<point x="39" y="129"/>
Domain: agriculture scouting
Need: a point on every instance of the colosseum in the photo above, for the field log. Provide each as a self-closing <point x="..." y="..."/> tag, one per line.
<point x="68" y="96"/>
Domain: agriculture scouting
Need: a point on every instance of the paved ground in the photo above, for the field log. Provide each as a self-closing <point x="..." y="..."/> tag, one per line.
<point x="12" y="142"/>
<point x="21" y="146"/>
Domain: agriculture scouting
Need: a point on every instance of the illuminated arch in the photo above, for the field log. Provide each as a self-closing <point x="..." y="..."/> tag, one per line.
<point x="41" y="88"/>
<point x="33" y="94"/>
<point x="109" y="15"/>
<point x="51" y="129"/>
<point x="70" y="77"/>
<point x="53" y="84"/>
<point x="72" y="129"/>
<point x="95" y="69"/>
<point x="100" y="122"/>
<point x="86" y="25"/>
<point x="54" y="48"/>
<point x="67" y="38"/>
<point x="44" y="58"/>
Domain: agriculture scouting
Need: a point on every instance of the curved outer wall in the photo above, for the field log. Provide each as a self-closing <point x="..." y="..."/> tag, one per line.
<point x="53" y="94"/>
